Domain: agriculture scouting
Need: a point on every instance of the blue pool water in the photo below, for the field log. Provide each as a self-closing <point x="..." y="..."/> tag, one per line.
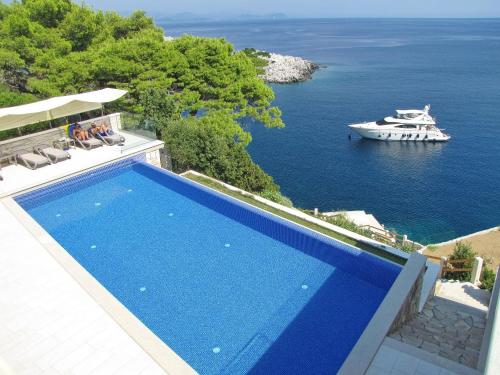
<point x="432" y="192"/>
<point x="230" y="289"/>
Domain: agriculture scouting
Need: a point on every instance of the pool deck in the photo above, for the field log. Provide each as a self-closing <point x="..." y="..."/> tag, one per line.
<point x="18" y="177"/>
<point x="397" y="358"/>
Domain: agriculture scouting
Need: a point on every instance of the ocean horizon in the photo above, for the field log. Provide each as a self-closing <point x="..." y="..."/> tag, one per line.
<point x="432" y="192"/>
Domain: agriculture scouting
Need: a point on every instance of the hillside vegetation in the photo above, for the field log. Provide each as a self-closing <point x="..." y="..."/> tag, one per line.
<point x="195" y="89"/>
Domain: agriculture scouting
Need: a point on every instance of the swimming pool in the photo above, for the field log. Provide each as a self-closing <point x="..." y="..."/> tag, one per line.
<point x="231" y="289"/>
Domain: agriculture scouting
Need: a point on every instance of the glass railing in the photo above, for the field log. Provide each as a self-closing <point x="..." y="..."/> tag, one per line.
<point x="136" y="131"/>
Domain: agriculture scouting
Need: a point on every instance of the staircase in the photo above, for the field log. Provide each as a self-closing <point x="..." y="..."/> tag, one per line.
<point x="452" y="329"/>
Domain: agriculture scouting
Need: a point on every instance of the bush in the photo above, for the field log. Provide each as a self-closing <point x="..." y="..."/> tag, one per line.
<point x="462" y="251"/>
<point x="343" y="222"/>
<point x="201" y="145"/>
<point x="488" y="278"/>
<point x="276" y="196"/>
<point x="407" y="247"/>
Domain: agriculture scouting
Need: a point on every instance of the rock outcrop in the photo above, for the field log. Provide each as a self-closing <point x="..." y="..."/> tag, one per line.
<point x="287" y="69"/>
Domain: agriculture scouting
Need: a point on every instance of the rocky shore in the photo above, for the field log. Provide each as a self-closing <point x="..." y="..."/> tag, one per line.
<point x="287" y="69"/>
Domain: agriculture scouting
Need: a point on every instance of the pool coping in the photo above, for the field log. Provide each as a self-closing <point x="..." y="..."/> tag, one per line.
<point x="159" y="351"/>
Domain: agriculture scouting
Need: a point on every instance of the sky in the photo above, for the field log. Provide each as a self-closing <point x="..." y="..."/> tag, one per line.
<point x="308" y="8"/>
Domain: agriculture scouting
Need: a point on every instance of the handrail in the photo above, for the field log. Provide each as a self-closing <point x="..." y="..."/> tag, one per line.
<point x="432" y="257"/>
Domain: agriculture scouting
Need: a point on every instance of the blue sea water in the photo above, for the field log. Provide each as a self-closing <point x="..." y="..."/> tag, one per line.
<point x="432" y="192"/>
<point x="229" y="289"/>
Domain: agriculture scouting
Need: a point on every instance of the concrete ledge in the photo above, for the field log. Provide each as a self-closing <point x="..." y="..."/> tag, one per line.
<point x="489" y="356"/>
<point x="366" y="348"/>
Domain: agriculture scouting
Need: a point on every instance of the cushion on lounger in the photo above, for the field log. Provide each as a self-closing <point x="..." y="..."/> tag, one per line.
<point x="34" y="158"/>
<point x="55" y="152"/>
<point x="92" y="142"/>
<point x="114" y="138"/>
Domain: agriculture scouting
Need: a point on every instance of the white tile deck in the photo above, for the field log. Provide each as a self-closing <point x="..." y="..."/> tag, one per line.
<point x="48" y="323"/>
<point x="465" y="293"/>
<point x="395" y="358"/>
<point x="17" y="177"/>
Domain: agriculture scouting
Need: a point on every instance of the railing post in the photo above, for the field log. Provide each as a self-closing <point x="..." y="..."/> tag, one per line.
<point x="442" y="265"/>
<point x="475" y="277"/>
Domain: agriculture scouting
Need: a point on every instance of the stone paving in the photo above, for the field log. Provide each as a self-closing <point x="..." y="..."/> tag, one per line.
<point x="447" y="329"/>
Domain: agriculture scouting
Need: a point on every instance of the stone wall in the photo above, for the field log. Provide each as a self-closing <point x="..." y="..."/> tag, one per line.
<point x="409" y="309"/>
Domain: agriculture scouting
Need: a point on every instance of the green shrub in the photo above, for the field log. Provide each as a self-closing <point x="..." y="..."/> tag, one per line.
<point x="276" y="196"/>
<point x="407" y="247"/>
<point x="488" y="278"/>
<point x="462" y="251"/>
<point x="343" y="222"/>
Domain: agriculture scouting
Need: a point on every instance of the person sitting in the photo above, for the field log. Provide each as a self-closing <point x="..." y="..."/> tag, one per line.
<point x="100" y="129"/>
<point x="80" y="133"/>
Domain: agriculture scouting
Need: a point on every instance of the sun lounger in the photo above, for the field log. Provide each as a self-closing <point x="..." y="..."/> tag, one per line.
<point x="55" y="155"/>
<point x="31" y="160"/>
<point x="86" y="144"/>
<point x="109" y="138"/>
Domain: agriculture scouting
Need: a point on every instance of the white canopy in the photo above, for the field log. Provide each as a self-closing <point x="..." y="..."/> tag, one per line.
<point x="60" y="106"/>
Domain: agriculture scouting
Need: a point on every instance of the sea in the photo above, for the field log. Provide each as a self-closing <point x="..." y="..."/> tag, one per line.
<point x="370" y="68"/>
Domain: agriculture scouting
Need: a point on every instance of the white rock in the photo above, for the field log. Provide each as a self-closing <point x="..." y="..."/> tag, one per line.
<point x="287" y="69"/>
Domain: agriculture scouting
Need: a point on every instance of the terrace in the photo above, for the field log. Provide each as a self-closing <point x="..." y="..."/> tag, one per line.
<point x="18" y="177"/>
<point x="55" y="317"/>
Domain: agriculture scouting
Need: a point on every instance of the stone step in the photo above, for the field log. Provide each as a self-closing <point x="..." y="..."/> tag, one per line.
<point x="447" y="329"/>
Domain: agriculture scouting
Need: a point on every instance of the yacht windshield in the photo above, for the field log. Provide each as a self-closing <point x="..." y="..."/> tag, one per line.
<point x="408" y="116"/>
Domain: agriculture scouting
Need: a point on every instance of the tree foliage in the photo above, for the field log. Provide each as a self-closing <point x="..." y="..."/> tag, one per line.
<point x="56" y="47"/>
<point x="203" y="145"/>
<point x="53" y="47"/>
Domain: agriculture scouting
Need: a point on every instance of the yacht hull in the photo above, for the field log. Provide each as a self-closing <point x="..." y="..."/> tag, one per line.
<point x="400" y="134"/>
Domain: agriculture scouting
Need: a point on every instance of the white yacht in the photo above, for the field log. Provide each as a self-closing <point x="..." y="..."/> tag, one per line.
<point x="406" y="125"/>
